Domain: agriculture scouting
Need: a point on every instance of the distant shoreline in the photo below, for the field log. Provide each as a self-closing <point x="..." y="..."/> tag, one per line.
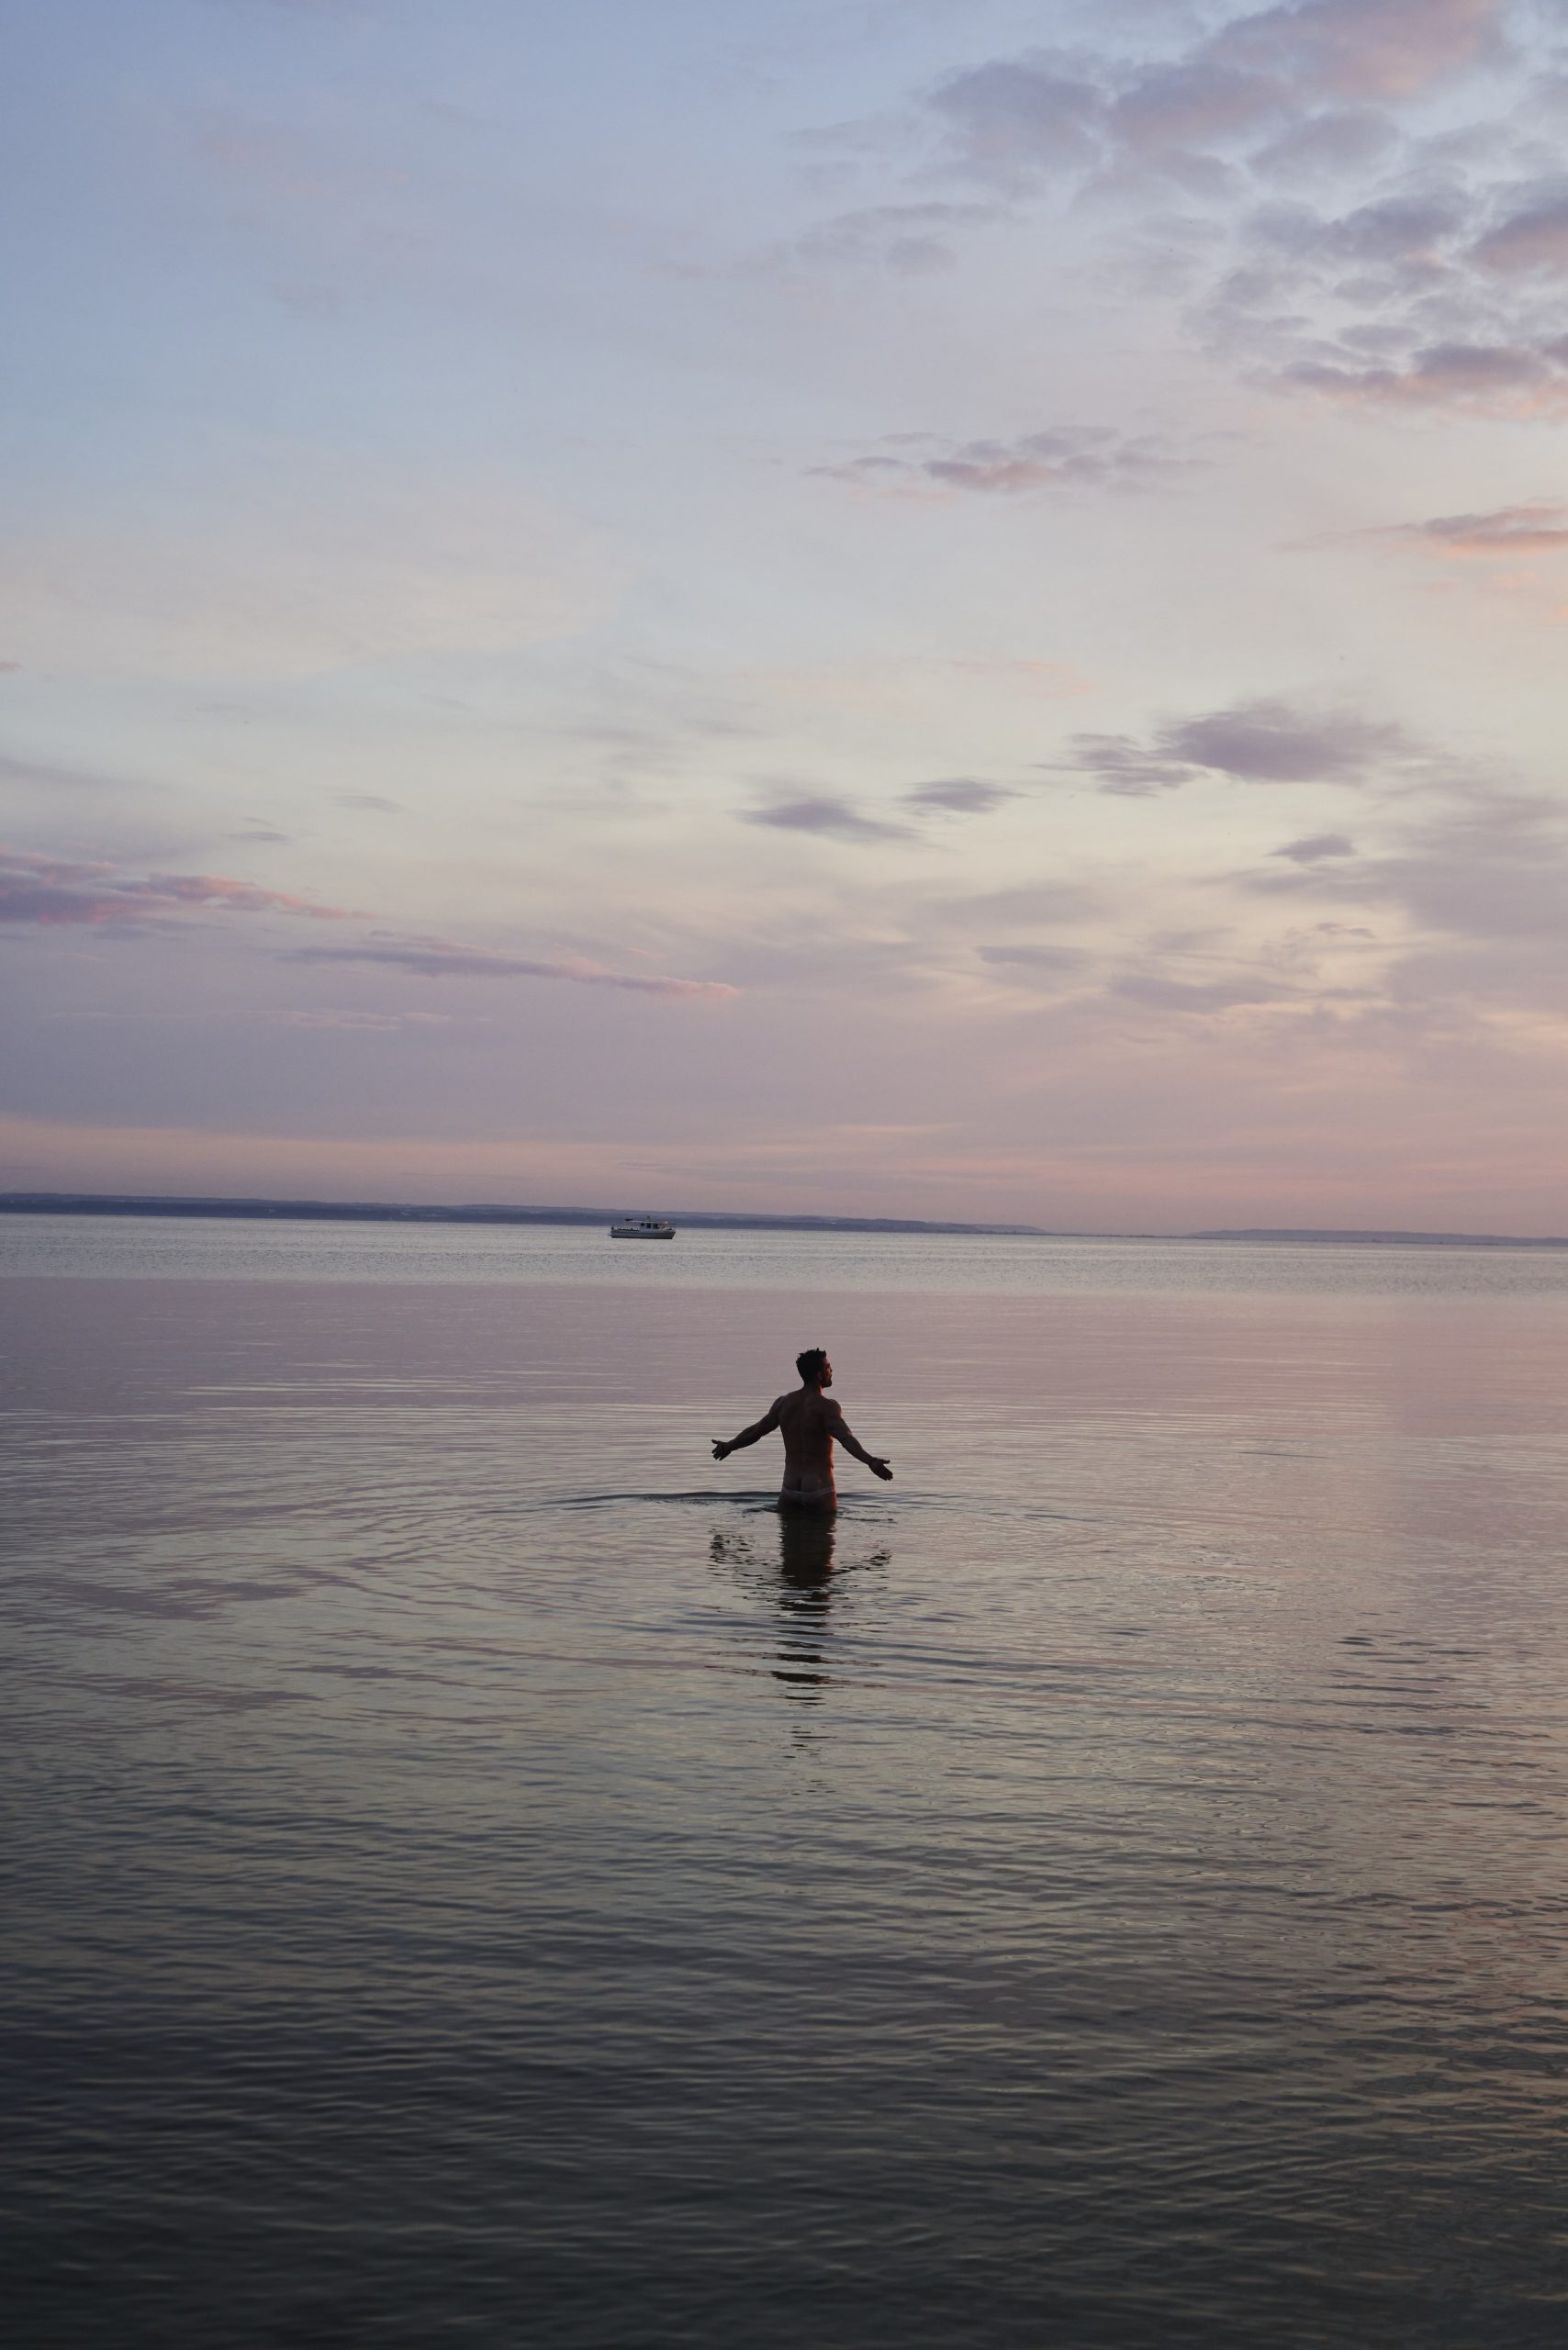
<point x="88" y="1203"/>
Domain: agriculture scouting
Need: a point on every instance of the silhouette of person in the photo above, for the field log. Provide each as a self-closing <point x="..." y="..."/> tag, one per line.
<point x="811" y="1423"/>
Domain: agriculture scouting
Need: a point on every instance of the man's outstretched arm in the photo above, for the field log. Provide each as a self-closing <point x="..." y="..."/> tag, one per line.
<point x="753" y="1435"/>
<point x="851" y="1443"/>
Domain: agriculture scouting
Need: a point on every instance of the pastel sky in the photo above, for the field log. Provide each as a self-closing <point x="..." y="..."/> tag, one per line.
<point x="934" y="607"/>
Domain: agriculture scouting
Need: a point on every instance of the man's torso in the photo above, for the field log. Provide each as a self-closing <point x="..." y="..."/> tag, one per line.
<point x="805" y="1422"/>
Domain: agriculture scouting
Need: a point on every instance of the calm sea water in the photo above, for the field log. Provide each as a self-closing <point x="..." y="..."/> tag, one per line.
<point x="477" y="1877"/>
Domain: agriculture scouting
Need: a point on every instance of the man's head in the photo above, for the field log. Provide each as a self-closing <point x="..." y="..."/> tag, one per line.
<point x="814" y="1368"/>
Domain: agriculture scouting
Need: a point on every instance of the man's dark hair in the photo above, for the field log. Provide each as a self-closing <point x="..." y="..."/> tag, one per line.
<point x="811" y="1364"/>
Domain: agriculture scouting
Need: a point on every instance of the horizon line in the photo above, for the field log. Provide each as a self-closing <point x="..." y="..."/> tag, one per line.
<point x="259" y="1206"/>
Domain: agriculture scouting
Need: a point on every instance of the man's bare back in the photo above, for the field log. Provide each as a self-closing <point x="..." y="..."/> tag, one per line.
<point x="810" y="1422"/>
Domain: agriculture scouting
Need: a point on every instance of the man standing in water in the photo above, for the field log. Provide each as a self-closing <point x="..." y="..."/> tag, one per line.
<point x="809" y="1422"/>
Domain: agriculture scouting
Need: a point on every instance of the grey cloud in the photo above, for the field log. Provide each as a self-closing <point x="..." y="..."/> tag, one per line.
<point x="1488" y="867"/>
<point x="959" y="796"/>
<point x="1017" y="118"/>
<point x="1533" y="240"/>
<point x="1509" y="530"/>
<point x="1325" y="145"/>
<point x="1012" y="118"/>
<point x="1488" y="377"/>
<point x="435" y="959"/>
<point x="1427" y="292"/>
<point x="1315" y="847"/>
<point x="1397" y="229"/>
<point x="1194" y="103"/>
<point x="1065" y="457"/>
<point x="1122" y="767"/>
<point x="825" y="814"/>
<point x="1266" y="740"/>
<point x="1435" y="293"/>
<point x="1496" y="870"/>
<point x="369" y="800"/>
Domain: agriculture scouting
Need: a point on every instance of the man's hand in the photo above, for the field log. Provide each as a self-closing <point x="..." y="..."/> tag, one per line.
<point x="881" y="1469"/>
<point x="722" y="1451"/>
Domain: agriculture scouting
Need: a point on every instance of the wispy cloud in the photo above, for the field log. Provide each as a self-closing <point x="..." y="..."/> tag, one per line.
<point x="960" y="795"/>
<point x="327" y="570"/>
<point x="1487" y="866"/>
<point x="1159" y="992"/>
<point x="50" y="893"/>
<point x="1507" y="531"/>
<point x="369" y="1024"/>
<point x="50" y="774"/>
<point x="1122" y="766"/>
<point x="1313" y="849"/>
<point x="439" y="959"/>
<point x="1494" y="379"/>
<point x="1036" y="963"/>
<point x="824" y="814"/>
<point x="1066" y="457"/>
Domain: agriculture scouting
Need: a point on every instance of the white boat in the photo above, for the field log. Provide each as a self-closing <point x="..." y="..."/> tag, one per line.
<point x="642" y="1227"/>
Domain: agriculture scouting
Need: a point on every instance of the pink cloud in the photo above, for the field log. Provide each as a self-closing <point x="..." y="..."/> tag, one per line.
<point x="1363" y="49"/>
<point x="50" y="893"/>
<point x="1510" y="530"/>
<point x="1497" y="379"/>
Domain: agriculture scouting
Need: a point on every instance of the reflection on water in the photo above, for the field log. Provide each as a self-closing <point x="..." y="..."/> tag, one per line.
<point x="791" y="1566"/>
<point x="482" y="1875"/>
<point x="799" y="1585"/>
<point x="805" y="1573"/>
